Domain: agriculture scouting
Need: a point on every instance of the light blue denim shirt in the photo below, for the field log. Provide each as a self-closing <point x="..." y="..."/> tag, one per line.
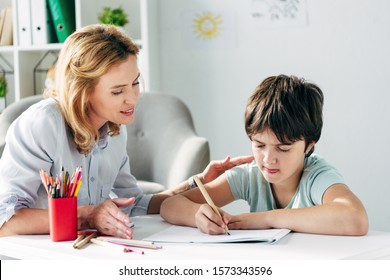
<point x="40" y="138"/>
<point x="248" y="183"/>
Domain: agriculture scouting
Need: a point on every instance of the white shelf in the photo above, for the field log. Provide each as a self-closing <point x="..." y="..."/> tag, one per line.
<point x="25" y="58"/>
<point x="54" y="46"/>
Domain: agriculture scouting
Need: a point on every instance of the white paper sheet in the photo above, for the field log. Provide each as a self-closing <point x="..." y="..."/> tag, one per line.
<point x="181" y="234"/>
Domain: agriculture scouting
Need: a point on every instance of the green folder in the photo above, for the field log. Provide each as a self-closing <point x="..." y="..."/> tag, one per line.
<point x="63" y="16"/>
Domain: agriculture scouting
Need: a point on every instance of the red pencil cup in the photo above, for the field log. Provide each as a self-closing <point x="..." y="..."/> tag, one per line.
<point x="63" y="218"/>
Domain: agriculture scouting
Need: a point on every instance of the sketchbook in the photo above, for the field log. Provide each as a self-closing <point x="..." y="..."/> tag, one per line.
<point x="182" y="234"/>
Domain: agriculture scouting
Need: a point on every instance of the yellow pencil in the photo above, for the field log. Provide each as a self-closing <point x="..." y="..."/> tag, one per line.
<point x="209" y="200"/>
<point x="78" y="187"/>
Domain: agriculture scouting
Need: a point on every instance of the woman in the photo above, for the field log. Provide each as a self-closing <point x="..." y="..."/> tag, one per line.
<point x="82" y="123"/>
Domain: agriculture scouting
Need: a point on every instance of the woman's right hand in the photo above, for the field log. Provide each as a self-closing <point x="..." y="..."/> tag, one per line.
<point x="217" y="167"/>
<point x="107" y="218"/>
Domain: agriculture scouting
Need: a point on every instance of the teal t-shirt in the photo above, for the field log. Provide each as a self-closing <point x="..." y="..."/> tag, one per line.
<point x="247" y="183"/>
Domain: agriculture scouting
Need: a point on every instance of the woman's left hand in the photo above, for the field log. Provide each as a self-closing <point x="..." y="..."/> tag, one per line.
<point x="108" y="219"/>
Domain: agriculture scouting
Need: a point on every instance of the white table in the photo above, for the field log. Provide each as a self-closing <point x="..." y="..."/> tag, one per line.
<point x="295" y="246"/>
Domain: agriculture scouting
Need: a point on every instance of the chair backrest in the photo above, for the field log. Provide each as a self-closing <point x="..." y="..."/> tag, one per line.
<point x="10" y="114"/>
<point x="162" y="143"/>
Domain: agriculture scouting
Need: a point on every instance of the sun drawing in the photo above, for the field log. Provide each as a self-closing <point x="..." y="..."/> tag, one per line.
<point x="207" y="25"/>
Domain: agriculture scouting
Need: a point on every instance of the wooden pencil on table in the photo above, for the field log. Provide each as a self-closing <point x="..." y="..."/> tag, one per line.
<point x="78" y="239"/>
<point x="84" y="241"/>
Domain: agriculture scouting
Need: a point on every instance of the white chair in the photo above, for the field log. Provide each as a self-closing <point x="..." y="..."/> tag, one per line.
<point x="163" y="145"/>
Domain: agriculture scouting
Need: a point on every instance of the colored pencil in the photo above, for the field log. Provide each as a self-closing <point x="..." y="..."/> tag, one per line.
<point x="61" y="185"/>
<point x="131" y="242"/>
<point x="116" y="246"/>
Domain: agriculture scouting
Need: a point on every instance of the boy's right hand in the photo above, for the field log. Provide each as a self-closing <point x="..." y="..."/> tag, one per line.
<point x="209" y="222"/>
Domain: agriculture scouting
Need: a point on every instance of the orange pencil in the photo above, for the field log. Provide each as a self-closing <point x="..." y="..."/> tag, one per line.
<point x="44" y="180"/>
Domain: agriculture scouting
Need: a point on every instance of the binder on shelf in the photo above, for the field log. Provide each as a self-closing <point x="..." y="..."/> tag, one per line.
<point x="63" y="16"/>
<point x="24" y="22"/>
<point x="2" y="18"/>
<point x="41" y="23"/>
<point x="7" y="31"/>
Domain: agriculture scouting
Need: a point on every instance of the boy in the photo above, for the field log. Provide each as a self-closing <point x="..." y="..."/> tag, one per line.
<point x="286" y="186"/>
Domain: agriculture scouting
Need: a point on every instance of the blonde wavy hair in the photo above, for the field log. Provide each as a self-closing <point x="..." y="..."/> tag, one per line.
<point x="86" y="55"/>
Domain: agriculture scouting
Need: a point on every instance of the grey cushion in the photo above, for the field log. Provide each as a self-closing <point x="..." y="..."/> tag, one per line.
<point x="163" y="146"/>
<point x="150" y="187"/>
<point x="11" y="112"/>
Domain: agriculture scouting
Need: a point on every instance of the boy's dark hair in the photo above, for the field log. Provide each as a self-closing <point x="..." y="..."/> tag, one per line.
<point x="289" y="106"/>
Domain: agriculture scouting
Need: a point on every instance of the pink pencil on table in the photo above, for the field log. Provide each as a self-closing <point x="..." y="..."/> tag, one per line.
<point x="128" y="248"/>
<point x="131" y="242"/>
<point x="123" y="248"/>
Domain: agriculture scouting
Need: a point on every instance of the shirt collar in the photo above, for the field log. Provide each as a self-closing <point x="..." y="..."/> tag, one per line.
<point x="103" y="136"/>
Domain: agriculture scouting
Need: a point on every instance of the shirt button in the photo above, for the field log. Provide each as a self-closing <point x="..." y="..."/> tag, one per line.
<point x="92" y="179"/>
<point x="140" y="134"/>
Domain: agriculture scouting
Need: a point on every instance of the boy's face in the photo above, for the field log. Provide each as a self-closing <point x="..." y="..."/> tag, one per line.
<point x="280" y="163"/>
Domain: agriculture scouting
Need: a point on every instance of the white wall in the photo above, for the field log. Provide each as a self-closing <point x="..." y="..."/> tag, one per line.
<point x="344" y="49"/>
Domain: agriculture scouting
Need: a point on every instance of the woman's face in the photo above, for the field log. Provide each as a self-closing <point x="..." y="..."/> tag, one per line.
<point x="115" y="95"/>
<point x="281" y="164"/>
